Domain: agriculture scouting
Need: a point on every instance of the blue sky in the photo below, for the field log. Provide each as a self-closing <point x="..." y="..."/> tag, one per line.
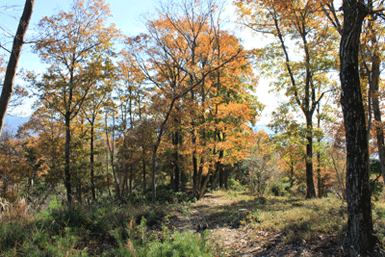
<point x="128" y="17"/>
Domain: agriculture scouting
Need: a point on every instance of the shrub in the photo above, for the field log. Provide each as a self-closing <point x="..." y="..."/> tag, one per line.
<point x="12" y="234"/>
<point x="180" y="244"/>
<point x="139" y="243"/>
<point x="235" y="185"/>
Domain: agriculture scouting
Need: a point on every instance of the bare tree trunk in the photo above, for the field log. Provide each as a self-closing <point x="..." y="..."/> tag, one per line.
<point x="153" y="171"/>
<point x="67" y="172"/>
<point x="374" y="93"/>
<point x="360" y="238"/>
<point x="111" y="151"/>
<point x="319" y="175"/>
<point x="92" y="161"/>
<point x="175" y="141"/>
<point x="18" y="42"/>
<point x="144" y="174"/>
<point x="310" y="193"/>
<point x="130" y="185"/>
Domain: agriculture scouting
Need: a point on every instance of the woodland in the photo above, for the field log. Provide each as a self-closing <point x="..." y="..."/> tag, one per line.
<point x="147" y="145"/>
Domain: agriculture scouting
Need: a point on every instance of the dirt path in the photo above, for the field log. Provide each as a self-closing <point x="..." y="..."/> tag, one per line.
<point x="218" y="215"/>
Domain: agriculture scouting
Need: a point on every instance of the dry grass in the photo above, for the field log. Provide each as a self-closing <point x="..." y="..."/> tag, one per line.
<point x="296" y="219"/>
<point x="17" y="211"/>
<point x="302" y="219"/>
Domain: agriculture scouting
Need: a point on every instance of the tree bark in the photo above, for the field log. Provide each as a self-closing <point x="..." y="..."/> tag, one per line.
<point x="67" y="172"/>
<point x="175" y="141"/>
<point x="360" y="238"/>
<point x="92" y="161"/>
<point x="310" y="192"/>
<point x="153" y="171"/>
<point x="18" y="42"/>
<point x="144" y="174"/>
<point x="374" y="93"/>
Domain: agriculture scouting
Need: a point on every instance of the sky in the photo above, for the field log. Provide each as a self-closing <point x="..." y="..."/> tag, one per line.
<point x="128" y="16"/>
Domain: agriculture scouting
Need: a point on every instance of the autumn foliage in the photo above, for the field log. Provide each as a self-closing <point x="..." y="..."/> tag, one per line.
<point x="176" y="105"/>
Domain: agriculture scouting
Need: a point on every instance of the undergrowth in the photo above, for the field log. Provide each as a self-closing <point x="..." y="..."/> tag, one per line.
<point x="111" y="229"/>
<point x="104" y="229"/>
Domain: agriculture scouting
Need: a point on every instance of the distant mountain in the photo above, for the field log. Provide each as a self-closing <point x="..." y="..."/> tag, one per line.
<point x="12" y="123"/>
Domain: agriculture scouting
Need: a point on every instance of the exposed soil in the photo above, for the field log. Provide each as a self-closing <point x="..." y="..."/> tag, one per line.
<point x="217" y="216"/>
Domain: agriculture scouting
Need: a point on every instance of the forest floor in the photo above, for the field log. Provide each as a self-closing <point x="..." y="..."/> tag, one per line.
<point x="273" y="226"/>
<point x="231" y="223"/>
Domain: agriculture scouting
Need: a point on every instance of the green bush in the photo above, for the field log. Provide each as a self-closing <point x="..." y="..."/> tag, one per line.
<point x="135" y="240"/>
<point x="180" y="244"/>
<point x="280" y="188"/>
<point x="35" y="245"/>
<point x="12" y="234"/>
<point x="235" y="185"/>
<point x="64" y="246"/>
<point x="60" y="218"/>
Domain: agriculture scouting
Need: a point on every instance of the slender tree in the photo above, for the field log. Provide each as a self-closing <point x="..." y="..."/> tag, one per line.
<point x="18" y="42"/>
<point x="303" y="79"/>
<point x="77" y="45"/>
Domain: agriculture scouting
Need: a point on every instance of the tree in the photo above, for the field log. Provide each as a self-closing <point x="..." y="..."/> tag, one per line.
<point x="168" y="57"/>
<point x="18" y="42"/>
<point x="77" y="45"/>
<point x="132" y="98"/>
<point x="371" y="53"/>
<point x="92" y="110"/>
<point x="360" y="238"/>
<point x="46" y="124"/>
<point x="224" y="107"/>
<point x="305" y="77"/>
<point x="262" y="165"/>
<point x="288" y="140"/>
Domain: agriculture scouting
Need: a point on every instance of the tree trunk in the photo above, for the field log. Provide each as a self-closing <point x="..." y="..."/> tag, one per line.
<point x="374" y="93"/>
<point x="10" y="73"/>
<point x="310" y="193"/>
<point x="144" y="173"/>
<point x="218" y="170"/>
<point x="130" y="190"/>
<point x="111" y="150"/>
<point x="193" y="141"/>
<point x="153" y="171"/>
<point x="320" y="184"/>
<point x="183" y="181"/>
<point x="172" y="179"/>
<point x="175" y="141"/>
<point x="67" y="172"/>
<point x="203" y="186"/>
<point x="79" y="194"/>
<point x="360" y="238"/>
<point x="195" y="170"/>
<point x="226" y="175"/>
<point x="92" y="162"/>
<point x="319" y="177"/>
